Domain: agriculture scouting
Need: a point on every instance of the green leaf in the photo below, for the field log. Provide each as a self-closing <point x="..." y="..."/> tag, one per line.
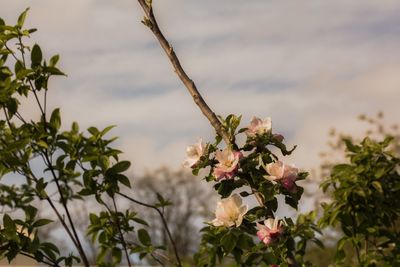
<point x="49" y="249"/>
<point x="19" y="66"/>
<point x="144" y="237"/>
<point x="106" y="130"/>
<point x="93" y="218"/>
<point x="53" y="60"/>
<point x="228" y="242"/>
<point x="9" y="224"/>
<point x="42" y="222"/>
<point x="116" y="254"/>
<point x="121" y="166"/>
<point x="42" y="144"/>
<point x="350" y="146"/>
<point x="22" y="17"/>
<point x="30" y="211"/>
<point x="55" y="119"/>
<point x="138" y="220"/>
<point x="53" y="71"/>
<point x="124" y="180"/>
<point x="377" y="185"/>
<point x="93" y="130"/>
<point x="341" y="243"/>
<point x="36" y="55"/>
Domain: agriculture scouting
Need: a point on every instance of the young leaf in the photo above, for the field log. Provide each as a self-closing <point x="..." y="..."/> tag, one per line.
<point x="228" y="242"/>
<point x="55" y="119"/>
<point x="144" y="237"/>
<point x="36" y="55"/>
<point x="121" y="166"/>
<point x="22" y="17"/>
<point x="9" y="224"/>
<point x="41" y="222"/>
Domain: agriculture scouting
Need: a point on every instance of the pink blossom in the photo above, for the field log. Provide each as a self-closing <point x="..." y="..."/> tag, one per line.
<point x="230" y="212"/>
<point x="258" y="126"/>
<point x="194" y="153"/>
<point x="270" y="231"/>
<point x="275" y="170"/>
<point x="286" y="175"/>
<point x="228" y="163"/>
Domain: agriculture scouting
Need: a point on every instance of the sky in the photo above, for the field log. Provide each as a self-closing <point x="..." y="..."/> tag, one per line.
<point x="310" y="65"/>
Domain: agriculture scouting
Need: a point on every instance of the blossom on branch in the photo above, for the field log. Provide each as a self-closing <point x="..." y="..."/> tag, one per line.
<point x="230" y="212"/>
<point x="258" y="126"/>
<point x="286" y="175"/>
<point x="194" y="153"/>
<point x="270" y="231"/>
<point x="228" y="163"/>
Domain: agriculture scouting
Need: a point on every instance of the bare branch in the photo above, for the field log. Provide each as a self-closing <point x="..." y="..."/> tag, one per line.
<point x="151" y="22"/>
<point x="163" y="221"/>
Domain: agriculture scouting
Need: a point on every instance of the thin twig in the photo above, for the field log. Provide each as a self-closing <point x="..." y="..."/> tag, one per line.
<point x="157" y="259"/>
<point x="42" y="261"/>
<point x="120" y="232"/>
<point x="163" y="221"/>
<point x="64" y="204"/>
<point x="50" y="166"/>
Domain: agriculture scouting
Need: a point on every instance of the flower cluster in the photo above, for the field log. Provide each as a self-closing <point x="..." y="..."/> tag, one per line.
<point x="252" y="165"/>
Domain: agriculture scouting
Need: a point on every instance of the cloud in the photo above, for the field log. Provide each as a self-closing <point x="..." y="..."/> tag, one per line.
<point x="309" y="65"/>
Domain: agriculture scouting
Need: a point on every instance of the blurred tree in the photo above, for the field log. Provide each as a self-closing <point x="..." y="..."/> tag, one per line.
<point x="192" y="203"/>
<point x="376" y="129"/>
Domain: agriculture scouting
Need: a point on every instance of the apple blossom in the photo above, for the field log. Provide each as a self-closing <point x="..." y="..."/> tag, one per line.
<point x="194" y="153"/>
<point x="228" y="163"/>
<point x="284" y="174"/>
<point x="258" y="126"/>
<point x="270" y="231"/>
<point x="275" y="170"/>
<point x="230" y="212"/>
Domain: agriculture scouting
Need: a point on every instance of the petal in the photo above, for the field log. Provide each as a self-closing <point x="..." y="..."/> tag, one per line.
<point x="219" y="156"/>
<point x="217" y="222"/>
<point x="275" y="169"/>
<point x="271" y="178"/>
<point x="189" y="162"/>
<point x="236" y="199"/>
<point x="267" y="240"/>
<point x="267" y="124"/>
<point x="239" y="220"/>
<point x="218" y="173"/>
<point x="243" y="209"/>
<point x="269" y="223"/>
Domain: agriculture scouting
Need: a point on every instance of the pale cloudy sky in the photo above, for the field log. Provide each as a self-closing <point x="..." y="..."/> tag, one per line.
<point x="310" y="65"/>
